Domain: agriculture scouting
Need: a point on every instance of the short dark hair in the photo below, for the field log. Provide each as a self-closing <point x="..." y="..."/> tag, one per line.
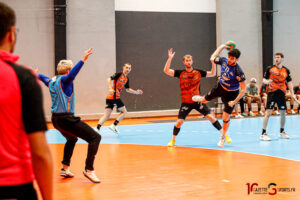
<point x="187" y="56"/>
<point x="7" y="19"/>
<point x="126" y="64"/>
<point x="235" y="53"/>
<point x="279" y="54"/>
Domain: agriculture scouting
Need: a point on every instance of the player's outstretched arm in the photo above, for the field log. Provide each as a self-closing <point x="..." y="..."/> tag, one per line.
<point x="217" y="52"/>
<point x="137" y="92"/>
<point x="110" y="89"/>
<point x="167" y="69"/>
<point x="291" y="88"/>
<point x="267" y="81"/>
<point x="46" y="80"/>
<point x="75" y="70"/>
<point x="212" y="73"/>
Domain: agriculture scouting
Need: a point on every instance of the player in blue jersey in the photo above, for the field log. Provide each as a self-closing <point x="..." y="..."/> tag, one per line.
<point x="231" y="86"/>
<point x="71" y="127"/>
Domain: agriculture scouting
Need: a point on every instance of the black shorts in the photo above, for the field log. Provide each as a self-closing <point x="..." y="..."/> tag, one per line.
<point x="20" y="192"/>
<point x="225" y="95"/>
<point x="186" y="108"/>
<point x="110" y="103"/>
<point x="276" y="97"/>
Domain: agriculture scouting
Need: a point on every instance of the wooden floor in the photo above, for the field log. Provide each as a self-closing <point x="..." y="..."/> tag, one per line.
<point x="158" y="172"/>
<point x="135" y="172"/>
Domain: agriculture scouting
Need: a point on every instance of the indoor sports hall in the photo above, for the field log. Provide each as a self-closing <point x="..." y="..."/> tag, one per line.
<point x="128" y="84"/>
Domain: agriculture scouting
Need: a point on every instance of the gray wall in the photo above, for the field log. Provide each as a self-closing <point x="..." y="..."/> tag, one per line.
<point x="143" y="39"/>
<point x="286" y="32"/>
<point x="35" y="40"/>
<point x="92" y="25"/>
<point x="87" y="26"/>
<point x="240" y="21"/>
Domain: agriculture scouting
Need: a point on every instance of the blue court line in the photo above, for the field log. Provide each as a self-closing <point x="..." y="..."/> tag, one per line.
<point x="244" y="133"/>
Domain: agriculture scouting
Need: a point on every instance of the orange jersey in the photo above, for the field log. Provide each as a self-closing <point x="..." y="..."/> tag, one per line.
<point x="189" y="83"/>
<point x="120" y="81"/>
<point x="279" y="78"/>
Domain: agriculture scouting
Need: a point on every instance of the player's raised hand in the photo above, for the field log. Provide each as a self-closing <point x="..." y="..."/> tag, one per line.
<point x="139" y="91"/>
<point x="111" y="91"/>
<point x="231" y="103"/>
<point x="171" y="53"/>
<point x="86" y="54"/>
<point x="268" y="81"/>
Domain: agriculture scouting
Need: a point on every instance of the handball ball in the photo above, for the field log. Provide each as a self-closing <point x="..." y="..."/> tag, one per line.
<point x="230" y="44"/>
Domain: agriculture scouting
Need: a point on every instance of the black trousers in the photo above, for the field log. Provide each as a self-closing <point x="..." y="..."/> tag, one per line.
<point x="241" y="101"/>
<point x="19" y="192"/>
<point x="72" y="127"/>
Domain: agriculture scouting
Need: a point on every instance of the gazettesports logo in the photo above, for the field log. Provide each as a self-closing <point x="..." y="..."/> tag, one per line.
<point x="270" y="190"/>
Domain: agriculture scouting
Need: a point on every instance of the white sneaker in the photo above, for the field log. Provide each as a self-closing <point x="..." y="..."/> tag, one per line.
<point x="265" y="137"/>
<point x="252" y="114"/>
<point x="66" y="173"/>
<point x="293" y="112"/>
<point x="284" y="135"/>
<point x="276" y="112"/>
<point x="239" y="116"/>
<point x="261" y="113"/>
<point x="114" y="129"/>
<point x="221" y="142"/>
<point x="197" y="98"/>
<point x="91" y="175"/>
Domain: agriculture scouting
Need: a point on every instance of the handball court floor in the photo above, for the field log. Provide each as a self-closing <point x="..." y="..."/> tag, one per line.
<point x="137" y="164"/>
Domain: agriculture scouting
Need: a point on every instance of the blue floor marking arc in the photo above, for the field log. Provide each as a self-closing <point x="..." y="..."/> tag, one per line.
<point x="201" y="134"/>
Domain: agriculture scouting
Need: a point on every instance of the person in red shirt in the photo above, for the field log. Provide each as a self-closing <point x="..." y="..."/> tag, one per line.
<point x="120" y="80"/>
<point x="276" y="78"/>
<point x="189" y="86"/>
<point x="24" y="153"/>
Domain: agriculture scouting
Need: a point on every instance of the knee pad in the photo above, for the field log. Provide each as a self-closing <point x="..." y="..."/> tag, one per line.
<point x="226" y="121"/>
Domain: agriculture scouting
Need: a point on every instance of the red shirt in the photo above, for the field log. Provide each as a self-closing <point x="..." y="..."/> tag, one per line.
<point x="20" y="110"/>
<point x="189" y="83"/>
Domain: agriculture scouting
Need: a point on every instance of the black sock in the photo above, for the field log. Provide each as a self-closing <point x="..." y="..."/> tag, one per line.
<point x="281" y="130"/>
<point x="116" y="122"/>
<point x="176" y="130"/>
<point x="263" y="131"/>
<point x="217" y="125"/>
<point x="98" y="126"/>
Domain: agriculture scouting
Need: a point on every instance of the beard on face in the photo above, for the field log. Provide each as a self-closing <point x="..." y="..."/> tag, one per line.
<point x="12" y="47"/>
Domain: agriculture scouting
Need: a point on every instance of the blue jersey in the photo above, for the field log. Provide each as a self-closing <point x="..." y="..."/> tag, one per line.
<point x="61" y="103"/>
<point x="62" y="90"/>
<point x="230" y="76"/>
